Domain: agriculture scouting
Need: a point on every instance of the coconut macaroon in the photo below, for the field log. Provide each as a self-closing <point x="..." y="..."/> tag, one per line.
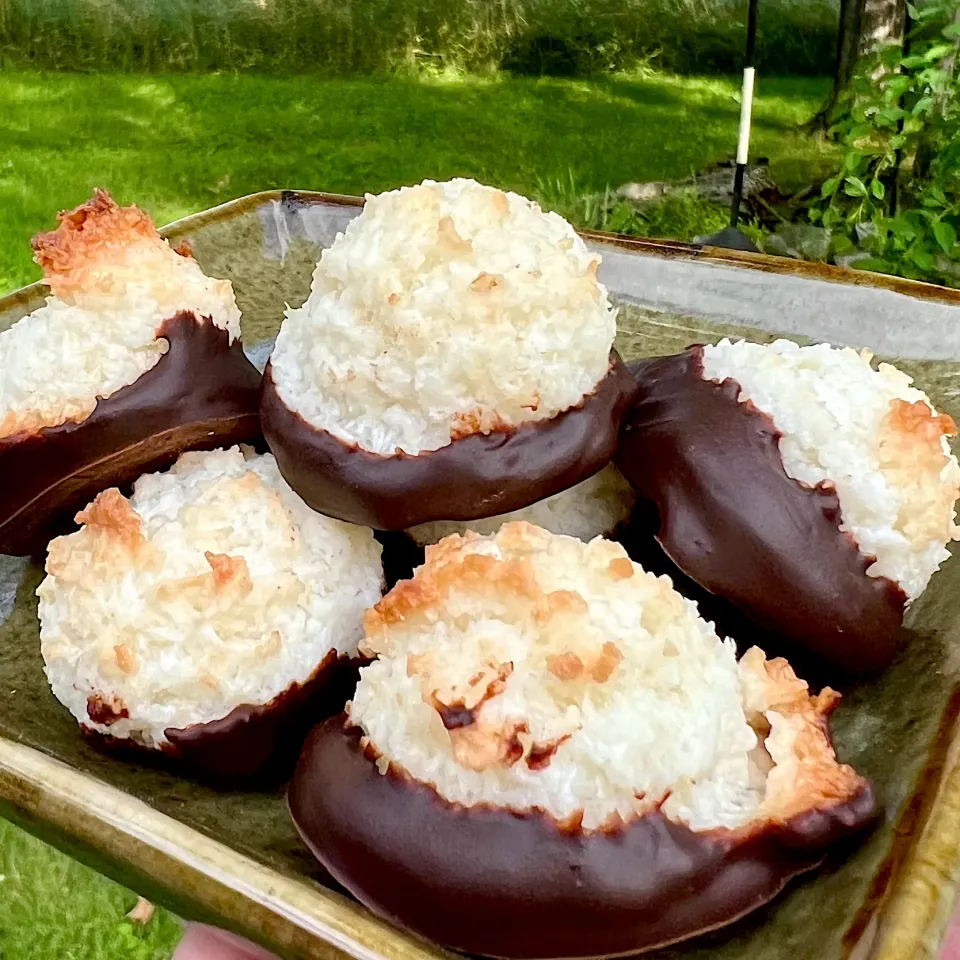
<point x="597" y="506"/>
<point x="209" y="615"/>
<point x="453" y="361"/>
<point x="570" y="760"/>
<point x="809" y="487"/>
<point x="134" y="358"/>
<point x="867" y="432"/>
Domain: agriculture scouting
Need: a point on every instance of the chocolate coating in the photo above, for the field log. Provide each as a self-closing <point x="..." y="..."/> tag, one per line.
<point x="489" y="881"/>
<point x="252" y="744"/>
<point x="401" y="556"/>
<point x="264" y="741"/>
<point x="470" y="478"/>
<point x="203" y="393"/>
<point x="734" y="522"/>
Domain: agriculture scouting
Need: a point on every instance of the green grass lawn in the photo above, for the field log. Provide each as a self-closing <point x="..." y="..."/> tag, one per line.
<point x="52" y="908"/>
<point x="177" y="144"/>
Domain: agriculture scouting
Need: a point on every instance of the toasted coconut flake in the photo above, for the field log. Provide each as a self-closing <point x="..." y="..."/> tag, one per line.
<point x="540" y="754"/>
<point x="113" y="536"/>
<point x="608" y="661"/>
<point x="565" y="666"/>
<point x="560" y="603"/>
<point x="478" y="747"/>
<point x="205" y="591"/>
<point x="915" y="459"/>
<point x="804" y="772"/>
<point x="451" y="242"/>
<point x="126" y="658"/>
<point x="72" y="256"/>
<point x="458" y="707"/>
<point x="476" y="421"/>
<point x="111" y="517"/>
<point x="620" y="569"/>
<point x="105" y="710"/>
<point x="623" y="702"/>
<point x="485" y="283"/>
<point x="919" y="422"/>
<point x="458" y="309"/>
<point x="229" y="572"/>
<point x="273" y="646"/>
<point x="866" y="432"/>
<point x="114" y="282"/>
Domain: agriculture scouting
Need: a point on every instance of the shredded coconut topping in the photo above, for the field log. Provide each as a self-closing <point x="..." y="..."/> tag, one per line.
<point x="213" y="586"/>
<point x="114" y="281"/>
<point x="534" y="671"/>
<point x="444" y="310"/>
<point x="868" y="432"/>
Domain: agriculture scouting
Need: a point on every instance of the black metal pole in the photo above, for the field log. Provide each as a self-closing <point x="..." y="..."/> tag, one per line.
<point x="746" y="105"/>
<point x="730" y="236"/>
<point x="893" y="186"/>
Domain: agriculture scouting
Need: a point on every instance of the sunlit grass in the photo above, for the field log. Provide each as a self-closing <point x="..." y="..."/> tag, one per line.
<point x="176" y="144"/>
<point x="52" y="908"/>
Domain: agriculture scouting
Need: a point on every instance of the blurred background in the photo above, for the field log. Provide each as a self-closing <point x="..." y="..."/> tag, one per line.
<point x="614" y="112"/>
<point x="620" y="114"/>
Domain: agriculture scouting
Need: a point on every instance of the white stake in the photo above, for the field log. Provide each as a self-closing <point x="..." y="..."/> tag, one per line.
<point x="746" y="108"/>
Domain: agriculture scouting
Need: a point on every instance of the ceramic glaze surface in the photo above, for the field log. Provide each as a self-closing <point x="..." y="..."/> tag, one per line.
<point x="888" y="897"/>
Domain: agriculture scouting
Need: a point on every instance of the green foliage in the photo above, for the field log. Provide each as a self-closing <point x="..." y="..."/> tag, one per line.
<point x="897" y="193"/>
<point x="337" y="37"/>
<point x="177" y="144"/>
<point x="53" y="908"/>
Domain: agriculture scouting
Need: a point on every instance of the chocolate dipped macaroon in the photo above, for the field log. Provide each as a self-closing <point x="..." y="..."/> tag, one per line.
<point x="213" y="617"/>
<point x="809" y="488"/>
<point x="453" y="361"/>
<point x="553" y="757"/>
<point x="599" y="506"/>
<point x="134" y="358"/>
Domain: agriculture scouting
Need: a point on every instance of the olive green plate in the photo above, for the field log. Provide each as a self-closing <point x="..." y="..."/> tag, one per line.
<point x="235" y="859"/>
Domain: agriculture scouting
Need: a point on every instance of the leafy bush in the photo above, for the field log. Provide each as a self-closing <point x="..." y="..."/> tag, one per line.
<point x="360" y="36"/>
<point x="897" y="195"/>
<point x="793" y="36"/>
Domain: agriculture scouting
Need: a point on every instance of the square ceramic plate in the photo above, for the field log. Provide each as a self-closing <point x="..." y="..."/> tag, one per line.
<point x="235" y="859"/>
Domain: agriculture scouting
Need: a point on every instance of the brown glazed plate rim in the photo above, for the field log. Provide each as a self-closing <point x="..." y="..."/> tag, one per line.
<point x="671" y="249"/>
<point x="132" y="841"/>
